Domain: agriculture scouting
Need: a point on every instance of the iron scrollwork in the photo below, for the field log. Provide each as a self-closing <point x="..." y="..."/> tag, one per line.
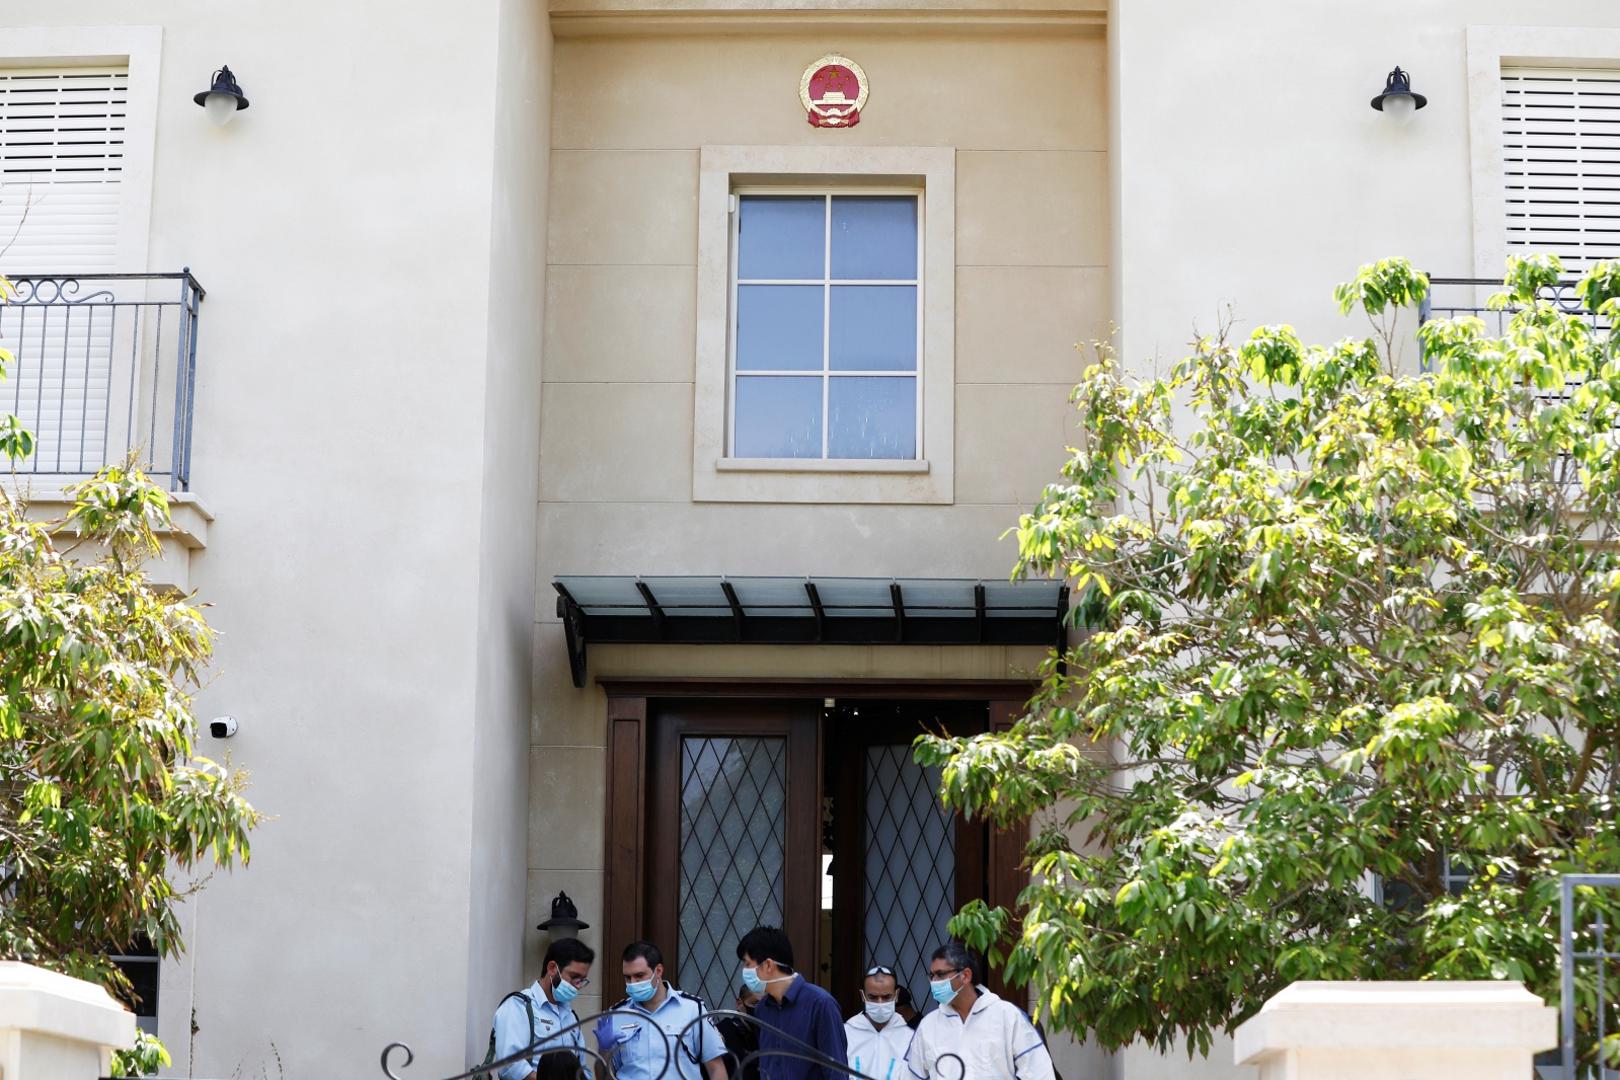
<point x="41" y="290"/>
<point x="673" y="1044"/>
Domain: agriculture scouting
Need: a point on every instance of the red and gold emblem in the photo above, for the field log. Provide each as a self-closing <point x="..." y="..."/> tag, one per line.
<point x="833" y="91"/>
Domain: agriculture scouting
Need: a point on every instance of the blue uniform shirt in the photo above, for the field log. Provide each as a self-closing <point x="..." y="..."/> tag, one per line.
<point x="643" y="1047"/>
<point x="808" y="1014"/>
<point x="512" y="1031"/>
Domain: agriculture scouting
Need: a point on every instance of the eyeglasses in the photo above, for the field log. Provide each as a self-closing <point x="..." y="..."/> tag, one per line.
<point x="579" y="983"/>
<point x="938" y="975"/>
<point x="879" y="969"/>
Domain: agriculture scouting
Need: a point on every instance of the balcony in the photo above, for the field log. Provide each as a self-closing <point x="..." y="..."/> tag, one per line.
<point x="1451" y="297"/>
<point x="105" y="365"/>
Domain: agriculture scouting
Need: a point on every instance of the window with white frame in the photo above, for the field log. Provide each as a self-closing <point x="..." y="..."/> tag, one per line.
<point x="825" y="342"/>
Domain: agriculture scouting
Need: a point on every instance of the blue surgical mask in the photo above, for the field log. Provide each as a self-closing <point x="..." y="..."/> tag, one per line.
<point x="564" y="991"/>
<point x="942" y="990"/>
<point x="641" y="991"/>
<point x="751" y="979"/>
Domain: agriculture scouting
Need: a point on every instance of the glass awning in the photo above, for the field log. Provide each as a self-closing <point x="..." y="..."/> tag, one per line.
<point x="715" y="609"/>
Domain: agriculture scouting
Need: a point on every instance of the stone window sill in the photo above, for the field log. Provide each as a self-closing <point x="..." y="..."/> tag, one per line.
<point x="813" y="465"/>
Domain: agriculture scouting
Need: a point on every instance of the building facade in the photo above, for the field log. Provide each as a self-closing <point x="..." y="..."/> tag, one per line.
<point x="594" y="439"/>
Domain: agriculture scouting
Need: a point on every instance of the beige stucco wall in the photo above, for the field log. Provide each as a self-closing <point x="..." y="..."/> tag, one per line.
<point x="1025" y="110"/>
<point x="370" y="558"/>
<point x="498" y="828"/>
<point x="1250" y="171"/>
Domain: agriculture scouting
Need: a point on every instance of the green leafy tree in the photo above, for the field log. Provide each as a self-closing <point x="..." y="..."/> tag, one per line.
<point x="102" y="800"/>
<point x="1345" y="703"/>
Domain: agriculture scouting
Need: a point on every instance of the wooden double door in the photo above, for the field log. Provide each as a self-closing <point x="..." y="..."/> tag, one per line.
<point x="809" y="813"/>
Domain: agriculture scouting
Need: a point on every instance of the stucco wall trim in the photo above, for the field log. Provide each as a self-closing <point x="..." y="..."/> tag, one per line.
<point x="1489" y="47"/>
<point x="595" y="22"/>
<point x="720" y="170"/>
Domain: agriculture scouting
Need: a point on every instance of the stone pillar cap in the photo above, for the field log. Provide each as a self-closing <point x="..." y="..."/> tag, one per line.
<point x="36" y="1000"/>
<point x="1482" y="1015"/>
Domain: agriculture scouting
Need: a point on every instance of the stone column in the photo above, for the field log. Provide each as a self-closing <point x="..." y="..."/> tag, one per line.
<point x="56" y="1028"/>
<point x="1397" y="1031"/>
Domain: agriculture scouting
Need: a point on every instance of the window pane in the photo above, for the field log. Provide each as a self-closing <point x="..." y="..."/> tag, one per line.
<point x="874" y="328"/>
<point x="872" y="417"/>
<point x="781" y="237"/>
<point x="874" y="236"/>
<point x="778" y="417"/>
<point x="779" y="327"/>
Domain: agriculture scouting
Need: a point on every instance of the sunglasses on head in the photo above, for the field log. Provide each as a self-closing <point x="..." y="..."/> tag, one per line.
<point x="879" y="969"/>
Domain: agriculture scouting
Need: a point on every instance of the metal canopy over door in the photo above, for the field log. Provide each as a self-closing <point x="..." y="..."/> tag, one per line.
<point x="62" y="135"/>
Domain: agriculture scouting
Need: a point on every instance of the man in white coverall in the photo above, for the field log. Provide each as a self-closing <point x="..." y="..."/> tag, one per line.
<point x="994" y="1038"/>
<point x="878" y="1039"/>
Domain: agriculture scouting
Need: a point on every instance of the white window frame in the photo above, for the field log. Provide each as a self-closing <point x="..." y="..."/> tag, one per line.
<point x="827" y="281"/>
<point x="727" y="171"/>
<point x="1489" y="49"/>
<point x="140" y="48"/>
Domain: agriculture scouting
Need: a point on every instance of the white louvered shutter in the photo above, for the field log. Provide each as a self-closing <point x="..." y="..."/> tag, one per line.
<point x="61" y="164"/>
<point x="1561" y="162"/>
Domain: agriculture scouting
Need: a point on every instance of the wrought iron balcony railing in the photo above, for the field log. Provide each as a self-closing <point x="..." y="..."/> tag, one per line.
<point x="1452" y="296"/>
<point x="105" y="365"/>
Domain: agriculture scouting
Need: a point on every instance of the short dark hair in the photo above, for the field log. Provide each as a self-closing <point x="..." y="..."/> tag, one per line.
<point x="643" y="950"/>
<point x="902" y="995"/>
<point x="767" y="943"/>
<point x="565" y="951"/>
<point x="961" y="958"/>
<point x="559" y="1065"/>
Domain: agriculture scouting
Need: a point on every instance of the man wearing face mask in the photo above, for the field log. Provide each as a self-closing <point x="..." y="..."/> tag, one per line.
<point x="796" y="1016"/>
<point x="544" y="1010"/>
<point x="878" y="1038"/>
<point x="993" y="1038"/>
<point x="665" y="1033"/>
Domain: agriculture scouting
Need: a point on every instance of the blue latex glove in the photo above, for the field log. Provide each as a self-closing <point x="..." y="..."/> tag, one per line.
<point x="607" y="1036"/>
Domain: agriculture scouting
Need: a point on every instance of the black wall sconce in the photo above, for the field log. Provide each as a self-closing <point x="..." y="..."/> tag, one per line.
<point x="224" y="99"/>
<point x="564" y="921"/>
<point x="1399" y="101"/>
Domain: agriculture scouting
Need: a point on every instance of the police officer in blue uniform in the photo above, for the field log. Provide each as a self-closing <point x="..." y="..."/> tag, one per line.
<point x="662" y="1024"/>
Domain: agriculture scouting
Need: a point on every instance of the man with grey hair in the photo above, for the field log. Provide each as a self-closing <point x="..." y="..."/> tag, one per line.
<point x="993" y="1038"/>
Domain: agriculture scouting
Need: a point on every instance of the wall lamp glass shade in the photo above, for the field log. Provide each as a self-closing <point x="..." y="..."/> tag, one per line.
<point x="1398" y="100"/>
<point x="223" y="99"/>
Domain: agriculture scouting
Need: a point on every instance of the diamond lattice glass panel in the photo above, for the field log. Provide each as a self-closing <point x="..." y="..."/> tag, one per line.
<point x="733" y="840"/>
<point x="910" y="865"/>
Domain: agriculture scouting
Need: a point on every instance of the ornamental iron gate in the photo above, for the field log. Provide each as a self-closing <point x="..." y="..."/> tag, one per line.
<point x="673" y="1044"/>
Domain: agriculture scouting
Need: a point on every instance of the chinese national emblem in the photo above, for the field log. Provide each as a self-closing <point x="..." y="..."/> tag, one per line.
<point x="833" y="91"/>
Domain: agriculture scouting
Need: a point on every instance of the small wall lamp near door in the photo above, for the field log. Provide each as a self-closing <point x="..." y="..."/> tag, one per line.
<point x="223" y="99"/>
<point x="564" y="921"/>
<point x="1398" y="101"/>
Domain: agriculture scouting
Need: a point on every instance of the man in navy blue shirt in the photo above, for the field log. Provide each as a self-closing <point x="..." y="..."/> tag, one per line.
<point x="795" y="1015"/>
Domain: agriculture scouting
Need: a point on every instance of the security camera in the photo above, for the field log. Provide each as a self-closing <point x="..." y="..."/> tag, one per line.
<point x="222" y="727"/>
